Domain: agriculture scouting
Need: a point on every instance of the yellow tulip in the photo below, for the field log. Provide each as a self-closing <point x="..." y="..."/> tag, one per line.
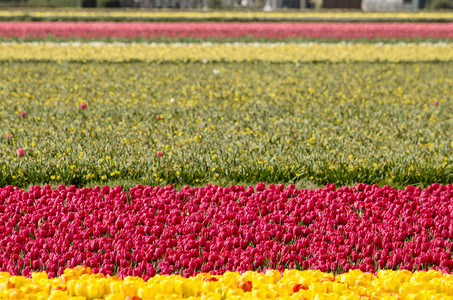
<point x="115" y="287"/>
<point x="115" y="297"/>
<point x="14" y="294"/>
<point x="274" y="274"/>
<point x="39" y="276"/>
<point x="339" y="287"/>
<point x="81" y="288"/>
<point x="94" y="291"/>
<point x="59" y="295"/>
<point x="81" y="284"/>
<point x="18" y="281"/>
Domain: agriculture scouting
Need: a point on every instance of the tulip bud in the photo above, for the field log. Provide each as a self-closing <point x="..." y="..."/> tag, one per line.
<point x="20" y="152"/>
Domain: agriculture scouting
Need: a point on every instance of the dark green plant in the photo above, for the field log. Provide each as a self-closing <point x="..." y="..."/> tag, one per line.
<point x="112" y="3"/>
<point x="442" y="4"/>
<point x="215" y="4"/>
<point x="89" y="3"/>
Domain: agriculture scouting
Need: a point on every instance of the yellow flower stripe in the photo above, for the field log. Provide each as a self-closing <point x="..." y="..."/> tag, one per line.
<point x="226" y="52"/>
<point x="80" y="283"/>
<point x="70" y="13"/>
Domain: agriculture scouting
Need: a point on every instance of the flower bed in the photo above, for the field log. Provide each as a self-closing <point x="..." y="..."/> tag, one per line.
<point x="307" y="124"/>
<point x="230" y="52"/>
<point x="222" y="16"/>
<point x="81" y="283"/>
<point x="275" y="31"/>
<point x="159" y="230"/>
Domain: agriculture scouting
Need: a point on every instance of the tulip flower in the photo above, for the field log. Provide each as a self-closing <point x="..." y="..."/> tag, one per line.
<point x="273" y="30"/>
<point x="20" y="152"/>
<point x="160" y="230"/>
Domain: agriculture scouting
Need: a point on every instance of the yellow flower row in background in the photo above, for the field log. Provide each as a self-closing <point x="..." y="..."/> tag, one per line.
<point x="81" y="283"/>
<point x="118" y="52"/>
<point x="70" y="13"/>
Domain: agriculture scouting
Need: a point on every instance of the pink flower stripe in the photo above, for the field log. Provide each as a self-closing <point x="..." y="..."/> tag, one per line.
<point x="151" y="230"/>
<point x="226" y="30"/>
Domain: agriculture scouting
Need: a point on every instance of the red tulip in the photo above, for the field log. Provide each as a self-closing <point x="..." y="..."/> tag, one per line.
<point x="20" y="152"/>
<point x="217" y="229"/>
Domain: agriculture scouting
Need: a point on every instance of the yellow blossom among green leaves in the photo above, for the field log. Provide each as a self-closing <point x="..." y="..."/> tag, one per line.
<point x="226" y="123"/>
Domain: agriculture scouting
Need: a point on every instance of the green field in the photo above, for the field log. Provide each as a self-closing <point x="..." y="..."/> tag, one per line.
<point x="307" y="124"/>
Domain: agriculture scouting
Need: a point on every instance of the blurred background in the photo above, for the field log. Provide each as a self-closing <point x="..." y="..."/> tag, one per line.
<point x="365" y="5"/>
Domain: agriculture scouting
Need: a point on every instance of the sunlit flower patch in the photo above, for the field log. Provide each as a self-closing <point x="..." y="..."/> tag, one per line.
<point x="230" y="52"/>
<point x="81" y="283"/>
<point x="275" y="31"/>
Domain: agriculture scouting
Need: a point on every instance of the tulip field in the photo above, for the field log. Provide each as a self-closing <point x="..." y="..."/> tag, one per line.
<point x="225" y="155"/>
<point x="224" y="123"/>
<point x="213" y="31"/>
<point x="221" y="16"/>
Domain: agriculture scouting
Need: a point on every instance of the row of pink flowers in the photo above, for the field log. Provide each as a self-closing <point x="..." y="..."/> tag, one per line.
<point x="151" y="230"/>
<point x="226" y="30"/>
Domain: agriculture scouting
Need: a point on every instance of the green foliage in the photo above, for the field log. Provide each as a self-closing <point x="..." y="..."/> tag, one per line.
<point x="89" y="3"/>
<point x="109" y="3"/>
<point x="226" y="123"/>
<point x="214" y="4"/>
<point x="442" y="4"/>
<point x="40" y="3"/>
<point x="56" y="3"/>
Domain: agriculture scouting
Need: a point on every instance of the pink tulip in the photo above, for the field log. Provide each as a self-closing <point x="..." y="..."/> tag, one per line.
<point x="273" y="30"/>
<point x="8" y="136"/>
<point x="160" y="154"/>
<point x="20" y="152"/>
<point x="83" y="105"/>
<point x="23" y="114"/>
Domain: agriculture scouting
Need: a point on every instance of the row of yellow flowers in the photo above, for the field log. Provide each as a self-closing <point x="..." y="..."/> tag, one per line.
<point x="226" y="52"/>
<point x="71" y="13"/>
<point x="81" y="283"/>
